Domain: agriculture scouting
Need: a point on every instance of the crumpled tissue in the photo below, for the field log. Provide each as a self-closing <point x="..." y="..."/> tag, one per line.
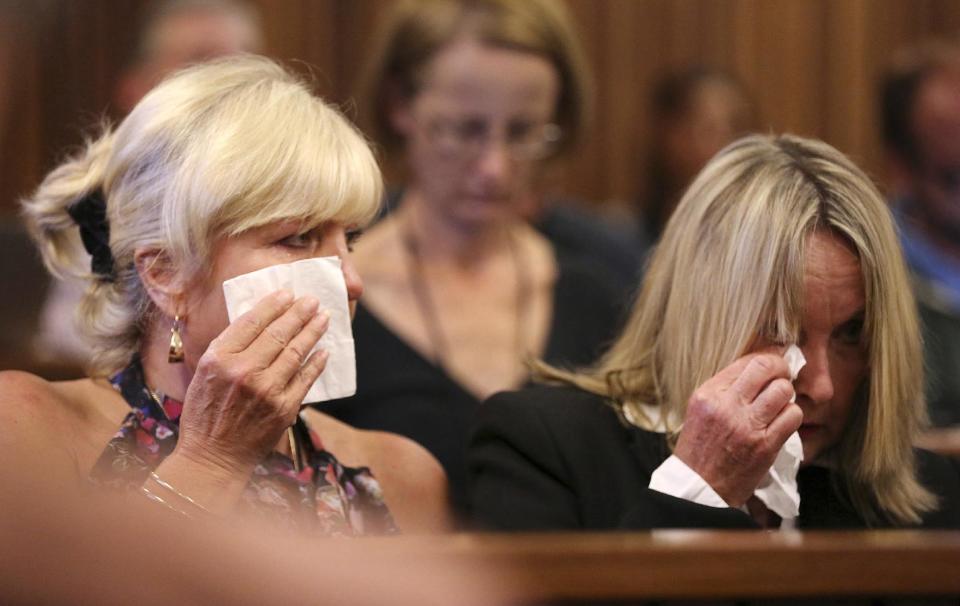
<point x="317" y="277"/>
<point x="778" y="488"/>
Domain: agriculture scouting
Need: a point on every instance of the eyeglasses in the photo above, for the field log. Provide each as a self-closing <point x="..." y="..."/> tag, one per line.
<point x="466" y="139"/>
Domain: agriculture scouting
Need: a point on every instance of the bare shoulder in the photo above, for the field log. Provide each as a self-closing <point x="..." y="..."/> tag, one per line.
<point x="539" y="252"/>
<point x="31" y="409"/>
<point x="403" y="458"/>
<point x="22" y="394"/>
<point x="359" y="448"/>
<point x="413" y="481"/>
<point x="54" y="418"/>
<point x="83" y="397"/>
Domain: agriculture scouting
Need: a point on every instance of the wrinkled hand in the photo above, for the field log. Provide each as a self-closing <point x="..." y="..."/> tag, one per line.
<point x="736" y="423"/>
<point x="249" y="383"/>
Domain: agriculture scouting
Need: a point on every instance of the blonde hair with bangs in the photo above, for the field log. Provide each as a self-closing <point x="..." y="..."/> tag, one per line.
<point x="213" y="151"/>
<point x="729" y="270"/>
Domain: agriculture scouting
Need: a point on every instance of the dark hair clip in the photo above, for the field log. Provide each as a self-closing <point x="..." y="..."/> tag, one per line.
<point x="90" y="213"/>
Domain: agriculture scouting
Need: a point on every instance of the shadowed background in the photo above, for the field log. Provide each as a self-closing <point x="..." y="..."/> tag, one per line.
<point x="810" y="67"/>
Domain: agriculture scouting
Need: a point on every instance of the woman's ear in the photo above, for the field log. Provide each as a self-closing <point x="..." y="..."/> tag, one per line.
<point x="164" y="285"/>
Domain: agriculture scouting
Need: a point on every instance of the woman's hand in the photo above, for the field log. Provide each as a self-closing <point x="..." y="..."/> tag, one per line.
<point x="249" y="384"/>
<point x="736" y="423"/>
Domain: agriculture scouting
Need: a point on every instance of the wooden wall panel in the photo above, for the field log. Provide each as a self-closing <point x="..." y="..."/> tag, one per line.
<point x="811" y="65"/>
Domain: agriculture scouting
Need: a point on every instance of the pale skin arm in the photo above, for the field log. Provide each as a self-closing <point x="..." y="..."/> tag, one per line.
<point x="736" y="423"/>
<point x="245" y="393"/>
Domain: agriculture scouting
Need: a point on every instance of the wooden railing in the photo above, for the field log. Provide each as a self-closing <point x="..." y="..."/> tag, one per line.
<point x="709" y="565"/>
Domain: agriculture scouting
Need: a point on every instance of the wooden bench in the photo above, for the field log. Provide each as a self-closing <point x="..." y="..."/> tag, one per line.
<point x="709" y="565"/>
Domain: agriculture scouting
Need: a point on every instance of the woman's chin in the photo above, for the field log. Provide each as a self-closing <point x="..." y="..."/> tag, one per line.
<point x="482" y="212"/>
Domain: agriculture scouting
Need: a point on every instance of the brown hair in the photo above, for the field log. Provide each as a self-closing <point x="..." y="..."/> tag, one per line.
<point x="416" y="30"/>
<point x="899" y="87"/>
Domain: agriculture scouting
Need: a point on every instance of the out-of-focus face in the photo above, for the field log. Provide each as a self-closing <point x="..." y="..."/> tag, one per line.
<point x="273" y="244"/>
<point x="936" y="179"/>
<point x="718" y="114"/>
<point x="202" y="35"/>
<point x="186" y="38"/>
<point x="477" y="129"/>
<point x="832" y="342"/>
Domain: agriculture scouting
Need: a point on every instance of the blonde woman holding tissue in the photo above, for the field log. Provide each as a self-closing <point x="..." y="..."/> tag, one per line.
<point x="777" y="302"/>
<point x="223" y="170"/>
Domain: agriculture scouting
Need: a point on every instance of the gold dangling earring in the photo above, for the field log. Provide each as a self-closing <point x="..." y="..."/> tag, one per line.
<point x="175" y="355"/>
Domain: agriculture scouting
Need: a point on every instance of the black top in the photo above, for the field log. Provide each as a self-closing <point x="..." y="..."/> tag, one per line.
<point x="400" y="391"/>
<point x="941" y="357"/>
<point x="553" y="458"/>
<point x="615" y="252"/>
<point x="580" y="236"/>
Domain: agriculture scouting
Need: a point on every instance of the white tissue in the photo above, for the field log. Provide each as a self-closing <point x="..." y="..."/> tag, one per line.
<point x="778" y="488"/>
<point x="321" y="278"/>
<point x="795" y="361"/>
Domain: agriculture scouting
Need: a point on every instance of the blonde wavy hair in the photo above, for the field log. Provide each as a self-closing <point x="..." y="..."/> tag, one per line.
<point x="729" y="269"/>
<point x="213" y="151"/>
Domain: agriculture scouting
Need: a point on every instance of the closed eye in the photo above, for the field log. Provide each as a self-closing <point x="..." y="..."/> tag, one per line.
<point x="851" y="331"/>
<point x="296" y="240"/>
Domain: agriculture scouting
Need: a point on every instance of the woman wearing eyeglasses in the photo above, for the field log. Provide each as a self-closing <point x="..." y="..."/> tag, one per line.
<point x="460" y="290"/>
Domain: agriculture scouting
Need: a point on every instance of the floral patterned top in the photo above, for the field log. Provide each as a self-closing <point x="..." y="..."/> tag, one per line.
<point x="324" y="496"/>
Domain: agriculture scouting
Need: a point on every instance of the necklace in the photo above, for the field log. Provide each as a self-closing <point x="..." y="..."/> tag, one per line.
<point x="427" y="307"/>
<point x="159" y="402"/>
<point x="294" y="449"/>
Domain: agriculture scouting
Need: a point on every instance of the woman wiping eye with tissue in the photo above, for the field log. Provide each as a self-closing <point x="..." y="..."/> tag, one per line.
<point x="770" y="374"/>
<point x="229" y="176"/>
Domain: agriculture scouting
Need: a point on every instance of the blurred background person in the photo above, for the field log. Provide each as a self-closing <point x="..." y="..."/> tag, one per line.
<point x="920" y="105"/>
<point x="178" y="33"/>
<point x="174" y="34"/>
<point x="475" y="96"/>
<point x="694" y="113"/>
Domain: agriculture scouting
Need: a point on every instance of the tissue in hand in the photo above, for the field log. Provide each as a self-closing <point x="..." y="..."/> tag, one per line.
<point x="778" y="489"/>
<point x="321" y="278"/>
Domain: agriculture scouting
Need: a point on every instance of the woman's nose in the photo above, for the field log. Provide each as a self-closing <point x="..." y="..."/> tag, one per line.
<point x="814" y="381"/>
<point x="352" y="278"/>
<point x="495" y="160"/>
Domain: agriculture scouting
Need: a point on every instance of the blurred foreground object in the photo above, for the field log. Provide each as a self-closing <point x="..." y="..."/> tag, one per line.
<point x="72" y="547"/>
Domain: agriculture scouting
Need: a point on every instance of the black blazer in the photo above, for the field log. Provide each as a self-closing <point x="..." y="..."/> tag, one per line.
<point x="552" y="458"/>
<point x="400" y="391"/>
